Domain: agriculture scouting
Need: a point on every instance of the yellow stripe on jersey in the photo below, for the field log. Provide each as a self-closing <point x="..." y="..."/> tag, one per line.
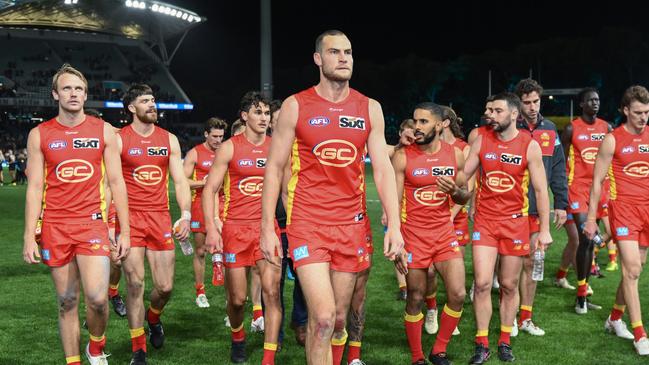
<point x="226" y="193"/>
<point x="613" y="184"/>
<point x="167" y="184"/>
<point x="102" y="193"/>
<point x="404" y="213"/>
<point x="571" y="164"/>
<point x="525" y="186"/>
<point x="194" y="190"/>
<point x="44" y="202"/>
<point x="292" y="183"/>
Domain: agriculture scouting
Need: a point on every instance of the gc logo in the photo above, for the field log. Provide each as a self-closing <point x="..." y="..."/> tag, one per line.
<point x="430" y="196"/>
<point x="148" y="175"/>
<point x="252" y="186"/>
<point x="500" y="182"/>
<point x="589" y="155"/>
<point x="74" y="171"/>
<point x="335" y="152"/>
<point x="637" y="169"/>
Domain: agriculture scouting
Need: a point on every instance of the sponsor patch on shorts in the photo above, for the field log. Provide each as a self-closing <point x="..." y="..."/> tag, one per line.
<point x="574" y="205"/>
<point x="622" y="231"/>
<point x="300" y="253"/>
<point x="410" y="257"/>
<point x="45" y="254"/>
<point x="475" y="236"/>
<point x="196" y="224"/>
<point x="231" y="258"/>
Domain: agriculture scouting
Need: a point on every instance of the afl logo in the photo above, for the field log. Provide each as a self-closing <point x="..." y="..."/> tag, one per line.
<point x="582" y="137"/>
<point x="490" y="156"/>
<point x="319" y="121"/>
<point x="420" y="172"/>
<point x="500" y="182"/>
<point x="135" y="151"/>
<point x="148" y="175"/>
<point x="589" y="155"/>
<point x="206" y="163"/>
<point x="335" y="152"/>
<point x="58" y="145"/>
<point x="429" y="196"/>
<point x="252" y="186"/>
<point x="628" y="149"/>
<point x="246" y="163"/>
<point x="74" y="171"/>
<point x="637" y="169"/>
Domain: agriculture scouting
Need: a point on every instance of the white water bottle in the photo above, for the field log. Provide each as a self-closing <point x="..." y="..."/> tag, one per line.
<point x="537" y="269"/>
<point x="185" y="245"/>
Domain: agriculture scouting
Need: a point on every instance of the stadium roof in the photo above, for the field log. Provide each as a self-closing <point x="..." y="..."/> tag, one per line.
<point x="148" y="20"/>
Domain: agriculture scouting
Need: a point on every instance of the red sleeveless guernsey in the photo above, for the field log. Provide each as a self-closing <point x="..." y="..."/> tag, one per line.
<point x="504" y="177"/>
<point x="629" y="172"/>
<point x="584" y="145"/>
<point x="463" y="214"/>
<point x="145" y="163"/>
<point x="74" y="171"/>
<point x="204" y="159"/>
<point x="327" y="181"/>
<point x="244" y="180"/>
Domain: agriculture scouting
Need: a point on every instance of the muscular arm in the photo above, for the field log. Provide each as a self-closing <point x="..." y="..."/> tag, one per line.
<point x="116" y="183"/>
<point x="214" y="182"/>
<point x="461" y="195"/>
<point x="538" y="179"/>
<point x="188" y="168"/>
<point x="566" y="140"/>
<point x="399" y="166"/>
<point x="183" y="195"/>
<point x="602" y="163"/>
<point x="34" y="196"/>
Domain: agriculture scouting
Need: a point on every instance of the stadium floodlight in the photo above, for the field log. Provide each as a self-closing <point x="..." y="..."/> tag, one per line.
<point x="179" y="14"/>
<point x="129" y="3"/>
<point x="173" y="12"/>
<point x="184" y="16"/>
<point x="190" y="18"/>
<point x="142" y="5"/>
<point x="154" y="7"/>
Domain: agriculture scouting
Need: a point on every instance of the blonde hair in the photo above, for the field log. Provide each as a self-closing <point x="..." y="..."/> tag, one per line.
<point x="67" y="69"/>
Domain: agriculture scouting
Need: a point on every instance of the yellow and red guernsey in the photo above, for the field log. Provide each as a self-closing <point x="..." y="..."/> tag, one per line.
<point x="629" y="172"/>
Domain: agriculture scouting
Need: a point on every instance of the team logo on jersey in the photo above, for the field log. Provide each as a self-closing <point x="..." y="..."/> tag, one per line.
<point x="582" y="137"/>
<point x="622" y="231"/>
<point x="420" y="172"/>
<point x="643" y="148"/>
<point x="511" y="159"/>
<point x="300" y="253"/>
<point x="628" y="149"/>
<point x="157" y="151"/>
<point x="319" y="121"/>
<point x="135" y="151"/>
<point x="490" y="156"/>
<point x="85" y="143"/>
<point x="206" y="163"/>
<point x="252" y="186"/>
<point x="195" y="224"/>
<point x="442" y="171"/>
<point x="429" y="196"/>
<point x="260" y="163"/>
<point x="637" y="169"/>
<point x="589" y="155"/>
<point x="148" y="175"/>
<point x="351" y="122"/>
<point x="597" y="137"/>
<point x="335" y="152"/>
<point x="74" y="171"/>
<point x="58" y="145"/>
<point x="500" y="181"/>
<point x="246" y="162"/>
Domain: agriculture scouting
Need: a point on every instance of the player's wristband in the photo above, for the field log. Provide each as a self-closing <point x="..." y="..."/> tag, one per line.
<point x="186" y="215"/>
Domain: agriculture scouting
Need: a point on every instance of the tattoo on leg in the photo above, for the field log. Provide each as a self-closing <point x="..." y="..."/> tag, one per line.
<point x="356" y="324"/>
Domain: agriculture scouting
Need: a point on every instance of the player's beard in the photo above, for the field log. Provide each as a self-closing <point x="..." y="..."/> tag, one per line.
<point x="332" y="76"/>
<point x="148" y="117"/>
<point x="427" y="138"/>
<point x="501" y="127"/>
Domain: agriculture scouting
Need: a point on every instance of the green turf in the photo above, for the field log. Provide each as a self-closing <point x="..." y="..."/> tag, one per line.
<point x="29" y="333"/>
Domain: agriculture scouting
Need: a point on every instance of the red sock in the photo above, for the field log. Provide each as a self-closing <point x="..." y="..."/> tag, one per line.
<point x="582" y="288"/>
<point x="638" y="330"/>
<point x="617" y="312"/>
<point x="562" y="273"/>
<point x="337" y="348"/>
<point x="96" y="345"/>
<point x="270" y="349"/>
<point x="138" y="339"/>
<point x="73" y="360"/>
<point x="524" y="314"/>
<point x="612" y="255"/>
<point x="505" y="334"/>
<point x="200" y="289"/>
<point x="153" y="315"/>
<point x="113" y="290"/>
<point x="353" y="351"/>
<point x="482" y="337"/>
<point x="257" y="312"/>
<point x="431" y="301"/>
<point x="238" y="334"/>
<point x="448" y="323"/>
<point x="413" y="324"/>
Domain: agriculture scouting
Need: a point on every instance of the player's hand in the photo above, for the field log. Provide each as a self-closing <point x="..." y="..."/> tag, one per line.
<point x="401" y="262"/>
<point x="407" y="137"/>
<point x="269" y="245"/>
<point x="111" y="237"/>
<point x="181" y="229"/>
<point x="392" y="243"/>
<point x="31" y="253"/>
<point x="123" y="246"/>
<point x="560" y="217"/>
<point x="544" y="240"/>
<point x="384" y="219"/>
<point x="219" y="225"/>
<point x="213" y="241"/>
<point x="446" y="185"/>
<point x="590" y="229"/>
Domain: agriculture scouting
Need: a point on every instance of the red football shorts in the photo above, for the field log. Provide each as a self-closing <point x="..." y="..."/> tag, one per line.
<point x="368" y="236"/>
<point x="198" y="221"/>
<point x="579" y="196"/>
<point x="112" y="216"/>
<point x="426" y="245"/>
<point x="241" y="243"/>
<point x="61" y="242"/>
<point x="535" y="224"/>
<point x="511" y="235"/>
<point x="461" y="226"/>
<point x="629" y="222"/>
<point x="344" y="247"/>
<point x="151" y="230"/>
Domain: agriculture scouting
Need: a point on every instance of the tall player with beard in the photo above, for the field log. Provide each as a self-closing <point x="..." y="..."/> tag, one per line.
<point x="197" y="164"/>
<point x="69" y="158"/>
<point x="149" y="155"/>
<point x="428" y="174"/>
<point x="509" y="161"/>
<point x="326" y="128"/>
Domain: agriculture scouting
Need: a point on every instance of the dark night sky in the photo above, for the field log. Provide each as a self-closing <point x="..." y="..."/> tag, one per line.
<point x="219" y="59"/>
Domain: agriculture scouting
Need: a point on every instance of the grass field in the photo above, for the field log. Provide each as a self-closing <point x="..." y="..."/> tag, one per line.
<point x="29" y="332"/>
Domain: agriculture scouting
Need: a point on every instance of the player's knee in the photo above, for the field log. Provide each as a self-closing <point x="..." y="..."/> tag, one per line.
<point x="632" y="272"/>
<point x="271" y="294"/>
<point x="508" y="286"/>
<point x="67" y="302"/>
<point x="324" y="325"/>
<point x="482" y="286"/>
<point x="456" y="295"/>
<point x="135" y="285"/>
<point x="200" y="251"/>
<point x="415" y="295"/>
<point x="97" y="303"/>
<point x="164" y="289"/>
<point x="237" y="301"/>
